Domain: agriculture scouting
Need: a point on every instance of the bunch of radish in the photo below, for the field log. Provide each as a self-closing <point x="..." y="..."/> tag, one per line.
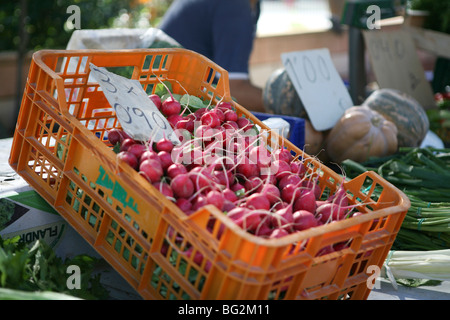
<point x="223" y="160"/>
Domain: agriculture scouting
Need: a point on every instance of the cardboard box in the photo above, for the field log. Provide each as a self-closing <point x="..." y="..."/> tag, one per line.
<point x="27" y="215"/>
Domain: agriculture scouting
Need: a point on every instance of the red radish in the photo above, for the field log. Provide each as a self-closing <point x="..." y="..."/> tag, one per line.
<point x="115" y="136"/>
<point x="290" y="193"/>
<point x="229" y="195"/>
<point x="126" y="143"/>
<point x="280" y="205"/>
<point x="341" y="245"/>
<point x="197" y="258"/>
<point x="244" y="123"/>
<point x="184" y="204"/>
<point x="215" y="198"/>
<point x="210" y="119"/>
<point x="278" y="233"/>
<point x="230" y="115"/>
<point x="137" y="149"/>
<point x="166" y="159"/>
<point x="306" y="201"/>
<point x="221" y="163"/>
<point x="186" y="123"/>
<point x="164" y="145"/>
<point x="289" y="179"/>
<point x="298" y="167"/>
<point x="268" y="178"/>
<point x="312" y="185"/>
<point x="176" y="169"/>
<point x="170" y="106"/>
<point x="199" y="112"/>
<point x="304" y="220"/>
<point x="247" y="169"/>
<point x="224" y="105"/>
<point x="164" y="188"/>
<point x="174" y="119"/>
<point x="257" y="201"/>
<point x="201" y="179"/>
<point x="220" y="114"/>
<point x="357" y="213"/>
<point x="129" y="158"/>
<point x="151" y="169"/>
<point x="245" y="218"/>
<point x="271" y="192"/>
<point x="149" y="154"/>
<point x="230" y="126"/>
<point x="156" y="100"/>
<point x="228" y="206"/>
<point x="205" y="132"/>
<point x="238" y="188"/>
<point x="198" y="202"/>
<point x="182" y="186"/>
<point x="325" y="250"/>
<point x="253" y="184"/>
<point x="339" y="197"/>
<point x="283" y="218"/>
<point x="283" y="154"/>
<point x="223" y="178"/>
<point x="331" y="212"/>
<point x="260" y="155"/>
<point x="280" y="169"/>
<point x="263" y="230"/>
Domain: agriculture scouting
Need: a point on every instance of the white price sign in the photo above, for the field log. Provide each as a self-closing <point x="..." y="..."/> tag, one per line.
<point x="319" y="86"/>
<point x="137" y="114"/>
<point x="396" y="64"/>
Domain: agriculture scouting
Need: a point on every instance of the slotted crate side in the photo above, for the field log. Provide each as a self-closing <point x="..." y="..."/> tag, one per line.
<point x="161" y="252"/>
<point x="249" y="267"/>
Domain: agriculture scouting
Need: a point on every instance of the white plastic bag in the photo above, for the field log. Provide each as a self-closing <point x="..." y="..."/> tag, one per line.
<point x="119" y="38"/>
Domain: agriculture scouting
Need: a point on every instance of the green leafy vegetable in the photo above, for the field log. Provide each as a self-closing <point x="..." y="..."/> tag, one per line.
<point x="163" y="88"/>
<point x="38" y="269"/>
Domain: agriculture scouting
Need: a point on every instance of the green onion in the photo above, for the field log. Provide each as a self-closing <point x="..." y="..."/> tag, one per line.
<point x="419" y="173"/>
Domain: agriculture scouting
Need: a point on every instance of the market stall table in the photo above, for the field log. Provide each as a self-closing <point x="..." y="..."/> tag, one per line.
<point x="11" y="183"/>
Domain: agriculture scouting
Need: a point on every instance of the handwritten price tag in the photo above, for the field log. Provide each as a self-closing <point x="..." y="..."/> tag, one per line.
<point x="137" y="114"/>
<point x="319" y="86"/>
<point x="396" y="64"/>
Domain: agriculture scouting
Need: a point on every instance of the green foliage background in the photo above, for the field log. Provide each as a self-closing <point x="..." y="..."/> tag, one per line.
<point x="45" y="21"/>
<point x="439" y="18"/>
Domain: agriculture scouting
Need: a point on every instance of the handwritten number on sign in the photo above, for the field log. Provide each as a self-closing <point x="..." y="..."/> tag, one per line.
<point x="159" y="120"/>
<point x="310" y="69"/>
<point x="323" y="68"/>
<point x="394" y="50"/>
<point x="318" y="85"/>
<point x="107" y="81"/>
<point x="138" y="112"/>
<point x="291" y="66"/>
<point x="122" y="113"/>
<point x="399" y="48"/>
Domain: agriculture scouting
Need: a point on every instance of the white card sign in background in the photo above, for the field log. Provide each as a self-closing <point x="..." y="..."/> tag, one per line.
<point x="319" y="86"/>
<point x="137" y="114"/>
<point x="396" y="64"/>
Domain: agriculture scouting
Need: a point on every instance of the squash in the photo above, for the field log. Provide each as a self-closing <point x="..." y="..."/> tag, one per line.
<point x="280" y="96"/>
<point x="359" y="134"/>
<point x="313" y="139"/>
<point x="408" y="115"/>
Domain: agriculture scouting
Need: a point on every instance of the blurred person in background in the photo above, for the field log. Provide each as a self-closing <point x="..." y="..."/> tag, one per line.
<point x="223" y="31"/>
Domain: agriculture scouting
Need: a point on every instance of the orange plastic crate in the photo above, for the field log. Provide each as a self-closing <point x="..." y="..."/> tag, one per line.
<point x="61" y="150"/>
